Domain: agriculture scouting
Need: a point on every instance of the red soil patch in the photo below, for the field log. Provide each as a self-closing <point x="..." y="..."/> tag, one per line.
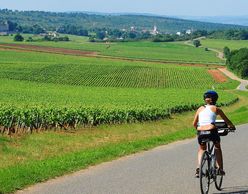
<point x="217" y="75"/>
<point x="48" y="49"/>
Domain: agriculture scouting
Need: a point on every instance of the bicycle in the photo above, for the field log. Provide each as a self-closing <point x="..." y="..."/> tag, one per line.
<point x="208" y="168"/>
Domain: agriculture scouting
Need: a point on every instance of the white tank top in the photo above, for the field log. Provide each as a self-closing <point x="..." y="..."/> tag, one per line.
<point x="206" y="116"/>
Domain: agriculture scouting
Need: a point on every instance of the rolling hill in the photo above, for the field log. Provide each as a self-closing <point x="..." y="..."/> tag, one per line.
<point x="90" y="21"/>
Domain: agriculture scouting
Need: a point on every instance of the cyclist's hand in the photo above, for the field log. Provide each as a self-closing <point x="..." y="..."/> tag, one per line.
<point x="231" y="127"/>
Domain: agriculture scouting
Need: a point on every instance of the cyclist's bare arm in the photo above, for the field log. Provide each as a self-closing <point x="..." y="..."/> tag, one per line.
<point x="195" y="122"/>
<point x="224" y="117"/>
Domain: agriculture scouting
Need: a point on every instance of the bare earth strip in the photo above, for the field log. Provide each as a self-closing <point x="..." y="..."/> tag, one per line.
<point x="217" y="75"/>
<point x="48" y="49"/>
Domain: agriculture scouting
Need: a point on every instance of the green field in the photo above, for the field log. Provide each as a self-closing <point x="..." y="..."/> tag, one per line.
<point x="48" y="88"/>
<point x="86" y="90"/>
<point x="83" y="71"/>
<point x="220" y="44"/>
<point x="93" y="109"/>
<point x="135" y="50"/>
<point x="24" y="94"/>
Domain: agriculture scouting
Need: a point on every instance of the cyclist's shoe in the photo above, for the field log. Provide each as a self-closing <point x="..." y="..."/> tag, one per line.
<point x="197" y="171"/>
<point x="220" y="172"/>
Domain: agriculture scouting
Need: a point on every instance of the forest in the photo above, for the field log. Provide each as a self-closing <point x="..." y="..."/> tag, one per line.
<point x="79" y="22"/>
<point x="237" y="61"/>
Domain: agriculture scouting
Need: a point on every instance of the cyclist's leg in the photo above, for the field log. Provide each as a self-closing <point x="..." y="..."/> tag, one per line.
<point x="219" y="157"/>
<point x="217" y="148"/>
<point x="202" y="148"/>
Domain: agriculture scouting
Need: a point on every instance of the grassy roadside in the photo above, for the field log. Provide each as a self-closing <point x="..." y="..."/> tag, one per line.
<point x="26" y="160"/>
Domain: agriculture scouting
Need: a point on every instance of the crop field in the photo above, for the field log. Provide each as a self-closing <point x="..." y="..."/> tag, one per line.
<point x="67" y="96"/>
<point x="30" y="106"/>
<point x="41" y="90"/>
<point x="83" y="71"/>
<point x="220" y="44"/>
<point x="24" y="94"/>
<point x="175" y="52"/>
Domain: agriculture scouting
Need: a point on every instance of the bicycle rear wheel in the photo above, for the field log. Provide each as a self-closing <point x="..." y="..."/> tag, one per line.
<point x="205" y="173"/>
<point x="218" y="182"/>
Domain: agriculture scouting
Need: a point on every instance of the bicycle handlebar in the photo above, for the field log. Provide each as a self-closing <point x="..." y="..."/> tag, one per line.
<point x="232" y="129"/>
<point x="223" y="131"/>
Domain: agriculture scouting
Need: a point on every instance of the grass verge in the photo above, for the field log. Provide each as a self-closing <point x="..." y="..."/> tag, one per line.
<point x="16" y="177"/>
<point x="30" y="159"/>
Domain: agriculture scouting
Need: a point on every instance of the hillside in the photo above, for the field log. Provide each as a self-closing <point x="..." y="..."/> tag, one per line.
<point x="236" y="20"/>
<point x="55" y="20"/>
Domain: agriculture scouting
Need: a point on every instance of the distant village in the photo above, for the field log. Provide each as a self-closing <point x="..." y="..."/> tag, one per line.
<point x="5" y="30"/>
<point x="103" y="35"/>
<point x="155" y="31"/>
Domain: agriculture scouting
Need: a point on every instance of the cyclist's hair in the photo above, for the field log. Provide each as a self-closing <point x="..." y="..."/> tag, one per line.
<point x="211" y="94"/>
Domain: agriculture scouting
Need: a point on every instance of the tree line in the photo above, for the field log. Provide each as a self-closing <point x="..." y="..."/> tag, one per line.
<point x="230" y="34"/>
<point x="78" y="21"/>
<point x="117" y="27"/>
<point x="237" y="61"/>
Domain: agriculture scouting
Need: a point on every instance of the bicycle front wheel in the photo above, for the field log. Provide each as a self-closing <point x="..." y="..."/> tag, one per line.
<point x="204" y="173"/>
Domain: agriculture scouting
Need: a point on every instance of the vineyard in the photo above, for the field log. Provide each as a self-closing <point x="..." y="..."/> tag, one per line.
<point x="41" y="91"/>
<point x="111" y="76"/>
<point x="15" y="120"/>
<point x="108" y="106"/>
<point x="27" y="106"/>
<point x="83" y="71"/>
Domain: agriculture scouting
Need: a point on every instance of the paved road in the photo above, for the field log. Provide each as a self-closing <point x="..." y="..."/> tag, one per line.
<point x="166" y="169"/>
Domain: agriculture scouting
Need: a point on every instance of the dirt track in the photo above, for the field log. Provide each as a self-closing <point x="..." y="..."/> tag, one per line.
<point x="47" y="49"/>
<point x="220" y="54"/>
<point x="243" y="83"/>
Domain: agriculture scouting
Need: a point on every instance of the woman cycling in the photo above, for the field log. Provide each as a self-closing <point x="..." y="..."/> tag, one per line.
<point x="205" y="121"/>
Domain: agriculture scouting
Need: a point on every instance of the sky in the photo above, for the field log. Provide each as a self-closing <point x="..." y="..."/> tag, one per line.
<point x="158" y="7"/>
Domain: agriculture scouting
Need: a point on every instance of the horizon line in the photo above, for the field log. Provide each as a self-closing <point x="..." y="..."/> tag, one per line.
<point x="123" y="13"/>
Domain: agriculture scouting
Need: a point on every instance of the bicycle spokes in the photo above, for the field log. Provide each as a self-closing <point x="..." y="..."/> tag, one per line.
<point x="204" y="173"/>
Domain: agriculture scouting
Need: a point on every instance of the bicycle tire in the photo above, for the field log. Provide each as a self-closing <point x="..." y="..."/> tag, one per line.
<point x="204" y="173"/>
<point x="218" y="182"/>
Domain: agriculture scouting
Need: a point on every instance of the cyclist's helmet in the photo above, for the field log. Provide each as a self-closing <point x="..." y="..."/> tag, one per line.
<point x="211" y="94"/>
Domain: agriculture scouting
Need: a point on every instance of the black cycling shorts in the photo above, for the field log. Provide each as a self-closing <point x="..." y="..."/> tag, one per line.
<point x="212" y="135"/>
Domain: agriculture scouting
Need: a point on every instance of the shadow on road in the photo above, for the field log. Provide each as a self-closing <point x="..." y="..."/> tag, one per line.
<point x="234" y="190"/>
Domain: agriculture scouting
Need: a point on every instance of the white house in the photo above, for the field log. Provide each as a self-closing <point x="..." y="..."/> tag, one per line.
<point x="155" y="30"/>
<point x="132" y="28"/>
<point x="4" y="27"/>
<point x="178" y="33"/>
<point x="188" y="31"/>
<point x="53" y="34"/>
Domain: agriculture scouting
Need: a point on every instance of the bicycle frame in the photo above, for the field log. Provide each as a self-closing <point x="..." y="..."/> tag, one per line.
<point x="208" y="169"/>
<point x="208" y="166"/>
<point x="212" y="159"/>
